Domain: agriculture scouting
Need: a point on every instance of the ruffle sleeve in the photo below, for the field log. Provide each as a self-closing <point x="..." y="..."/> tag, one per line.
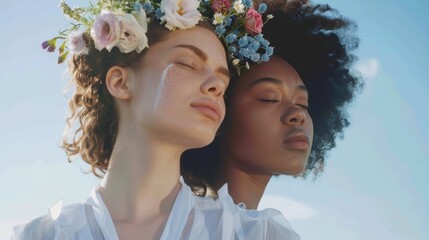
<point x="267" y="224"/>
<point x="62" y="223"/>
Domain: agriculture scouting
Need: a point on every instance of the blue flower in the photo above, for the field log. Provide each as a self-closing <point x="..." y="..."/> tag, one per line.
<point x="262" y="8"/>
<point x="264" y="42"/>
<point x="147" y="6"/>
<point x="245" y="52"/>
<point x="243" y="42"/>
<point x="248" y="3"/>
<point x="137" y="6"/>
<point x="254" y="46"/>
<point x="227" y="21"/>
<point x="158" y="13"/>
<point x="232" y="49"/>
<point x="265" y="58"/>
<point x="259" y="37"/>
<point x="233" y="18"/>
<point x="255" y="57"/>
<point x="230" y="38"/>
<point x="220" y="30"/>
<point x="269" y="51"/>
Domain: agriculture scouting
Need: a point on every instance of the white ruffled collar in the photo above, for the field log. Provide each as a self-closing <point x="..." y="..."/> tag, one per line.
<point x="102" y="215"/>
<point x="243" y="218"/>
<point x="182" y="207"/>
<point x="226" y="199"/>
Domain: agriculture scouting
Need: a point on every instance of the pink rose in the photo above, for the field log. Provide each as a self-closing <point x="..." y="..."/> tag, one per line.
<point x="253" y="22"/>
<point x="105" y="31"/>
<point x="220" y="5"/>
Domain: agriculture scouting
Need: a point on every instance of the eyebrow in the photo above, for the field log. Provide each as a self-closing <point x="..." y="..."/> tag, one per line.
<point x="194" y="49"/>
<point x="276" y="82"/>
<point x="203" y="57"/>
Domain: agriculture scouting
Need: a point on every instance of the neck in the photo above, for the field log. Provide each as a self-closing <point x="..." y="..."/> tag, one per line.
<point x="244" y="186"/>
<point x="141" y="182"/>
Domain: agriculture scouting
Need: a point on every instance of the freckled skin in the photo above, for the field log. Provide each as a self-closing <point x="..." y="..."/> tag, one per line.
<point x="173" y="90"/>
<point x="141" y="183"/>
<point x="161" y="86"/>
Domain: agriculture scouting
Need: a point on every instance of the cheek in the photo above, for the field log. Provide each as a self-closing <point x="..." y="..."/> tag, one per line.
<point x="247" y="132"/>
<point x="160" y="91"/>
<point x="172" y="88"/>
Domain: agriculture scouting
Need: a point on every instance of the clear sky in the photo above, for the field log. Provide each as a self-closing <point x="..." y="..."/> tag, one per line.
<point x="374" y="185"/>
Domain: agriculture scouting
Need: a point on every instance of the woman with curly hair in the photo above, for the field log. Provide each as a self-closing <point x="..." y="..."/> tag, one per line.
<point x="283" y="116"/>
<point x="143" y="95"/>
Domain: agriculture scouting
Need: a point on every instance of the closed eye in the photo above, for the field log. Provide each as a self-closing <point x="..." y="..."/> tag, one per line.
<point x="269" y="100"/>
<point x="303" y="106"/>
<point x="186" y="65"/>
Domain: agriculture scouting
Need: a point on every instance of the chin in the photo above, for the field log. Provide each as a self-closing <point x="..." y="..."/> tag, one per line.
<point x="293" y="169"/>
<point x="191" y="136"/>
<point x="201" y="139"/>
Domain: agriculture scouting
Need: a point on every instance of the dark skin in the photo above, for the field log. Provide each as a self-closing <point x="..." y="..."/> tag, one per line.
<point x="318" y="44"/>
<point x="268" y="130"/>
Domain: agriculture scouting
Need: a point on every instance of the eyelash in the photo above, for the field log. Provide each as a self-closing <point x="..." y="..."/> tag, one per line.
<point x="303" y="106"/>
<point x="275" y="101"/>
<point x="186" y="65"/>
<point x="269" y="100"/>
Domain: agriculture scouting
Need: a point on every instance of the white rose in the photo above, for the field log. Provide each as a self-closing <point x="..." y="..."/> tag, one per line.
<point x="181" y="14"/>
<point x="133" y="36"/>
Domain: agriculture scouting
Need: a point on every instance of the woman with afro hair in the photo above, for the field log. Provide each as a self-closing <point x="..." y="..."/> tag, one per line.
<point x="283" y="116"/>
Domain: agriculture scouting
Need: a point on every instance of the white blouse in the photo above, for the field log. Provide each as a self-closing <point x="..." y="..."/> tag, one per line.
<point x="191" y="217"/>
<point x="256" y="224"/>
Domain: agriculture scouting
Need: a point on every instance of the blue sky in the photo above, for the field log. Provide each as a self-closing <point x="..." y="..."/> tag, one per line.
<point x="373" y="186"/>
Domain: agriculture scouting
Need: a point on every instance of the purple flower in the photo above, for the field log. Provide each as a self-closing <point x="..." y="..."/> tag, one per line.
<point x="45" y="44"/>
<point x="49" y="45"/>
<point x="51" y="48"/>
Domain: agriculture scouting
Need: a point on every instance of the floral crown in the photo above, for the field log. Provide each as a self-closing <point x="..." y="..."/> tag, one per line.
<point x="123" y="24"/>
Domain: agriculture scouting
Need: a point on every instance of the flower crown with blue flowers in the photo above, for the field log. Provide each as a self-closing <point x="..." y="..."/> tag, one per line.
<point x="123" y="24"/>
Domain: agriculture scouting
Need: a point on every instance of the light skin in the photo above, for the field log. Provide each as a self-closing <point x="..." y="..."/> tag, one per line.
<point x="268" y="130"/>
<point x="171" y="103"/>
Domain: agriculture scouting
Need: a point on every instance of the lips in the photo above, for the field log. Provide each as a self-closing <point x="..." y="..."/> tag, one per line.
<point x="296" y="141"/>
<point x="209" y="108"/>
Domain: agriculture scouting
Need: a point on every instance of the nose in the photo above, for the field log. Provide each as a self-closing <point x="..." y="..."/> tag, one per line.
<point x="294" y="115"/>
<point x="214" y="86"/>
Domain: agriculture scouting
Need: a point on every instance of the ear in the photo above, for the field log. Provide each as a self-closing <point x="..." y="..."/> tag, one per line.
<point x="117" y="82"/>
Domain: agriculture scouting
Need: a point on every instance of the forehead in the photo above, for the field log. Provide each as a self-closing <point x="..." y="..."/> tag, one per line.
<point x="276" y="68"/>
<point x="200" y="37"/>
